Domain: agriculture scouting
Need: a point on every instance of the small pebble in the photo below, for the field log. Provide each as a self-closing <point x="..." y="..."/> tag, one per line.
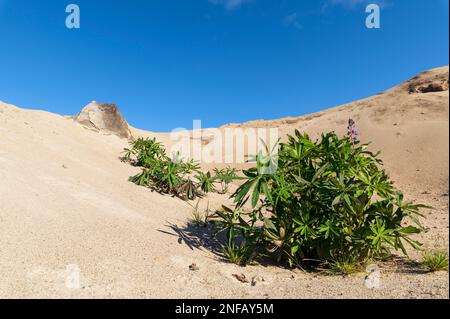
<point x="241" y="278"/>
<point x="257" y="279"/>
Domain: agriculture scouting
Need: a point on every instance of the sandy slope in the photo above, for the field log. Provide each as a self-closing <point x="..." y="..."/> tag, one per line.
<point x="65" y="199"/>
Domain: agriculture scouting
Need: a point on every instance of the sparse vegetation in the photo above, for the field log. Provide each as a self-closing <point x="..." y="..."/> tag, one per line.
<point x="159" y="172"/>
<point x="201" y="218"/>
<point x="172" y="175"/>
<point x="206" y="182"/>
<point x="237" y="250"/>
<point x="343" y="266"/>
<point x="225" y="177"/>
<point x="436" y="260"/>
<point x="143" y="152"/>
<point x="236" y="253"/>
<point x="327" y="201"/>
<point x="189" y="190"/>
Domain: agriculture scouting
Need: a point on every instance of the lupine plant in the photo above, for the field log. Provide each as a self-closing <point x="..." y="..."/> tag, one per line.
<point x="160" y="172"/>
<point x="206" y="182"/>
<point x="328" y="201"/>
<point x="225" y="177"/>
<point x="172" y="175"/>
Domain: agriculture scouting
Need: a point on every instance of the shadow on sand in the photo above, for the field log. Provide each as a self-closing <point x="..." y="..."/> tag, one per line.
<point x="205" y="237"/>
<point x="198" y="237"/>
<point x="405" y="266"/>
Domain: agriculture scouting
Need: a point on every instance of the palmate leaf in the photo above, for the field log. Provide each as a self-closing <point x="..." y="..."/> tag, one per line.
<point x="206" y="182"/>
<point x="256" y="184"/>
<point x="329" y="229"/>
<point x="381" y="234"/>
<point x="282" y="191"/>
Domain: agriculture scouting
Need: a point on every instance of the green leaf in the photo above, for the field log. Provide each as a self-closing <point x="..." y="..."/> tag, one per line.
<point x="336" y="201"/>
<point x="242" y="191"/>
<point x="266" y="191"/>
<point x="255" y="196"/>
<point x="349" y="203"/>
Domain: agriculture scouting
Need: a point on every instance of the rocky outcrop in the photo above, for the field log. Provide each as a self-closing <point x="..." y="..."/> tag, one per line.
<point x="104" y="118"/>
<point x="429" y="82"/>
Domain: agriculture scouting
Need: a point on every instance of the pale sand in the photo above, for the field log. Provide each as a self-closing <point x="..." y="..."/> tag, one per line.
<point x="65" y="199"/>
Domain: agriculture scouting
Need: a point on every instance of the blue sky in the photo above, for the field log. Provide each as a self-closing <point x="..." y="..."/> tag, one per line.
<point x="168" y="62"/>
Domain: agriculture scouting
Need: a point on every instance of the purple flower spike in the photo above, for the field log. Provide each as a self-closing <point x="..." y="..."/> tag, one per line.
<point x="352" y="132"/>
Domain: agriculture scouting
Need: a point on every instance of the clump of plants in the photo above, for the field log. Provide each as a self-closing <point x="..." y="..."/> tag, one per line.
<point x="436" y="260"/>
<point x="159" y="171"/>
<point x="206" y="182"/>
<point x="144" y="151"/>
<point x="225" y="177"/>
<point x="343" y="266"/>
<point x="175" y="175"/>
<point x="237" y="249"/>
<point x="199" y="217"/>
<point x="328" y="201"/>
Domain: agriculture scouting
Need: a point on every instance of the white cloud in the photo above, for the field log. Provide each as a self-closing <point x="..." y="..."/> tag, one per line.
<point x="230" y="4"/>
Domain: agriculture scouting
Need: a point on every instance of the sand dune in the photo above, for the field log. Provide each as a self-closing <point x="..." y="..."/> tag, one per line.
<point x="65" y="200"/>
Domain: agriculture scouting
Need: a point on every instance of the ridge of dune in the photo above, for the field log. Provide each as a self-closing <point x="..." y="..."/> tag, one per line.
<point x="405" y="124"/>
<point x="65" y="200"/>
<point x="438" y="77"/>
